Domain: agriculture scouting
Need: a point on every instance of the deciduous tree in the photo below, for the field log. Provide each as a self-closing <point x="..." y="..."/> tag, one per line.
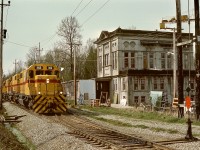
<point x="69" y="31"/>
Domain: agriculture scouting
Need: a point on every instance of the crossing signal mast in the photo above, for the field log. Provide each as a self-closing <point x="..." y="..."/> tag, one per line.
<point x="177" y="37"/>
<point x="187" y="18"/>
<point x="184" y="19"/>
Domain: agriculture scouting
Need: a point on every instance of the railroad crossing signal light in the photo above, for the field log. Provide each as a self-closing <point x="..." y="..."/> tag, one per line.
<point x="188" y="102"/>
<point x="4" y="33"/>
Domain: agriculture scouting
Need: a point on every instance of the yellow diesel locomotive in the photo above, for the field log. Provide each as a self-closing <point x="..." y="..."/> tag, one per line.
<point x="38" y="88"/>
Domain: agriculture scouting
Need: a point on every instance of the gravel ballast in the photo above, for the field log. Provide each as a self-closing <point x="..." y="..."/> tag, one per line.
<point x="45" y="134"/>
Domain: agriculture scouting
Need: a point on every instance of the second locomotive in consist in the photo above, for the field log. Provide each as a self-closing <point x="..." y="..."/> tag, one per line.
<point x="38" y="88"/>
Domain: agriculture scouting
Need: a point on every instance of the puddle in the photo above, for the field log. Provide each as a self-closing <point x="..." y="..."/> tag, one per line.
<point x="20" y="137"/>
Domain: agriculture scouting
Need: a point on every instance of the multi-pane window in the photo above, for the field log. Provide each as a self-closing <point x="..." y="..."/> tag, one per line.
<point x="142" y="83"/>
<point x="145" y="64"/>
<point x="139" y="83"/>
<point x="151" y="60"/>
<point x="136" y="99"/>
<point x="192" y="97"/>
<point x="169" y="61"/>
<point x="115" y="84"/>
<point x="100" y="63"/>
<point x="106" y="56"/>
<point x="162" y="60"/>
<point x="132" y="60"/>
<point x="123" y="84"/>
<point x="126" y="60"/>
<point x="192" y="83"/>
<point x="155" y="84"/>
<point x="135" y="83"/>
<point x="161" y="83"/>
<point x="185" y="61"/>
<point x="114" y="60"/>
<point x="142" y="99"/>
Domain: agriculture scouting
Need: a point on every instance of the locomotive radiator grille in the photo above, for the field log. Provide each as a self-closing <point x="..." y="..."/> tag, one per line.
<point x="49" y="104"/>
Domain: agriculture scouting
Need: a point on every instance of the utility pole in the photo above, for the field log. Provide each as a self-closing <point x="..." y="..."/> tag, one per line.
<point x="75" y="102"/>
<point x="180" y="66"/>
<point x="197" y="58"/>
<point x="1" y="51"/>
<point x="162" y="26"/>
<point x="39" y="53"/>
<point x="15" y="65"/>
<point x="75" y="97"/>
<point x="174" y="62"/>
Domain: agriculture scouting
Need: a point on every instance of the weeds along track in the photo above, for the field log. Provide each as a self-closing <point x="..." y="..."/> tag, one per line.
<point x="102" y="137"/>
<point x="8" y="143"/>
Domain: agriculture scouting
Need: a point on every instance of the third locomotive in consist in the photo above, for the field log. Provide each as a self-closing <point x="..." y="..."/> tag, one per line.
<point x="38" y="88"/>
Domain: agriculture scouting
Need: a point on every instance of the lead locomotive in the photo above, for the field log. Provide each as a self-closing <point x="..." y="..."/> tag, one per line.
<point x="38" y="88"/>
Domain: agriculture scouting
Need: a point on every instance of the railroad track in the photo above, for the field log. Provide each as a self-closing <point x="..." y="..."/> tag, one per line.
<point x="102" y="137"/>
<point x="97" y="135"/>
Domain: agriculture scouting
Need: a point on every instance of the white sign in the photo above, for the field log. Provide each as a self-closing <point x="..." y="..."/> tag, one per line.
<point x="184" y="43"/>
<point x="198" y="38"/>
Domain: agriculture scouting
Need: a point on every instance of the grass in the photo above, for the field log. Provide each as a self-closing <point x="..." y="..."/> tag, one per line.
<point x="122" y="124"/>
<point x="10" y="141"/>
<point x="10" y="136"/>
<point x="94" y="112"/>
<point x="131" y="113"/>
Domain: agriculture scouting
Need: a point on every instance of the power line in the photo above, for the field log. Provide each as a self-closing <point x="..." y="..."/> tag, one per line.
<point x="77" y="7"/>
<point x="84" y="7"/>
<point x="95" y="13"/>
<point x="18" y="44"/>
<point x="46" y="41"/>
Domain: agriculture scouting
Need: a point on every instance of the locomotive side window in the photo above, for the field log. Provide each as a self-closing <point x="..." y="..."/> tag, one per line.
<point x="57" y="73"/>
<point x="47" y="72"/>
<point x="31" y="74"/>
<point x="39" y="72"/>
<point x="21" y="75"/>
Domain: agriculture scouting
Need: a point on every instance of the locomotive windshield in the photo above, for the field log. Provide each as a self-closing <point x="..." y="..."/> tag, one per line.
<point x="48" y="72"/>
<point x="39" y="72"/>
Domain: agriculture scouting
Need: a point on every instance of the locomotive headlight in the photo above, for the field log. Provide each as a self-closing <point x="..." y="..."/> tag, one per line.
<point x="61" y="93"/>
<point x="39" y="93"/>
<point x="47" y="81"/>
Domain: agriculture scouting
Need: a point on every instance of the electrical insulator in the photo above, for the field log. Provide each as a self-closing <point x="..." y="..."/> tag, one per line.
<point x="4" y="33"/>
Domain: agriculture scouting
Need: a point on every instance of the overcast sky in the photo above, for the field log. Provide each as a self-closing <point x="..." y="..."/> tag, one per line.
<point x="29" y="22"/>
